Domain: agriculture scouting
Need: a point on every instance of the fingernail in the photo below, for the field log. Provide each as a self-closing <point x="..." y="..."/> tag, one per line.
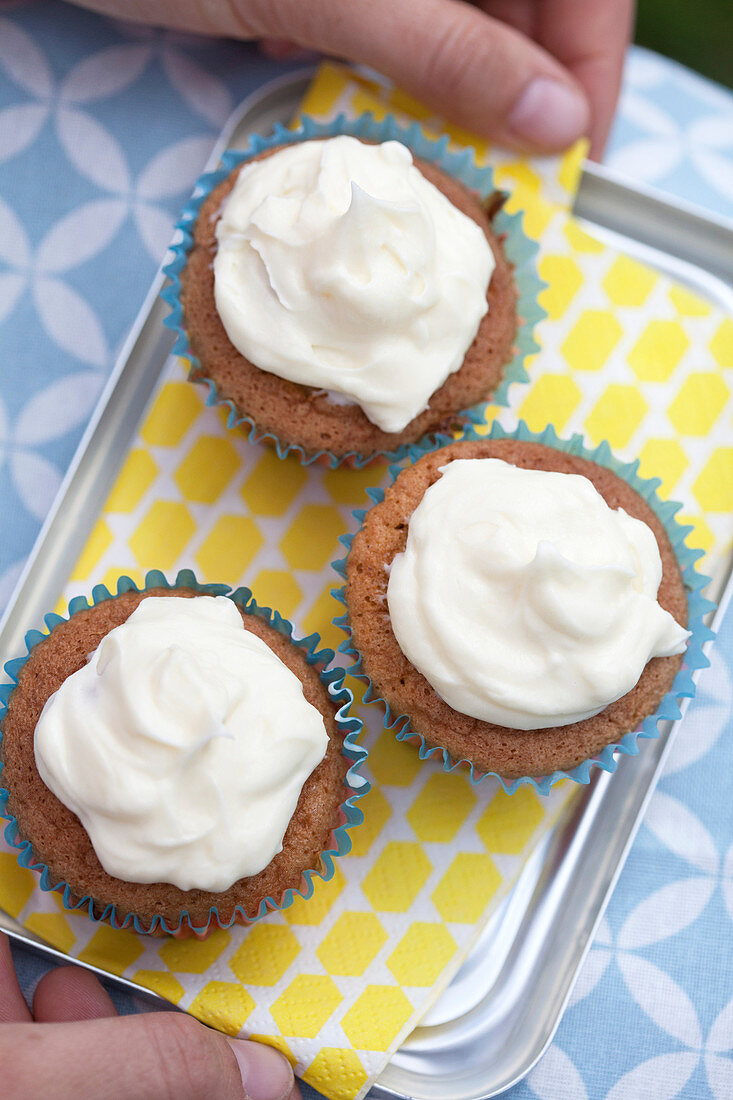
<point x="549" y="113"/>
<point x="266" y="1075"/>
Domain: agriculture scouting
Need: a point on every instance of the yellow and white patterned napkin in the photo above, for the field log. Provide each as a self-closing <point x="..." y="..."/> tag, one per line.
<point x="337" y="982"/>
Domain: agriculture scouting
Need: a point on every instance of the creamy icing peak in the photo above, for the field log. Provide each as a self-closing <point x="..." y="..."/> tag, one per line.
<point x="524" y="599"/>
<point x="182" y="745"/>
<point x="340" y="266"/>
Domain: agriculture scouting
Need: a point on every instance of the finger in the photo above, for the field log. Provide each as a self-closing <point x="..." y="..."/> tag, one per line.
<point x="281" y="49"/>
<point x="146" y="1057"/>
<point x="520" y="14"/>
<point x="590" y="38"/>
<point x="471" y="67"/>
<point x="12" y="1002"/>
<point x="69" y="993"/>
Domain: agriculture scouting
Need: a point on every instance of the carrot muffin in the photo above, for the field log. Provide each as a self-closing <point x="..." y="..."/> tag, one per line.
<point x="523" y="607"/>
<point x="170" y="754"/>
<point x="346" y="297"/>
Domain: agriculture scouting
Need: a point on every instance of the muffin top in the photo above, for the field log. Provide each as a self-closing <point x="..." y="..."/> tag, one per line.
<point x="60" y="841"/>
<point x="524" y="599"/>
<point x="492" y="628"/>
<point x="339" y="266"/>
<point x="315" y="419"/>
<point x="182" y="745"/>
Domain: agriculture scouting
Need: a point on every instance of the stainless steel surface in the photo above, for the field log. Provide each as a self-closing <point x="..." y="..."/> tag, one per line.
<point x="663" y="226"/>
<point x="491" y="1025"/>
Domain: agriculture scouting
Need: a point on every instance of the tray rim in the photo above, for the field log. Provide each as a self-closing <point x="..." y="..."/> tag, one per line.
<point x="148" y="319"/>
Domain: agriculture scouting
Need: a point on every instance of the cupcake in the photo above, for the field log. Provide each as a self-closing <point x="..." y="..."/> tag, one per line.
<point x="345" y="297"/>
<point x="515" y="605"/>
<point x="175" y="761"/>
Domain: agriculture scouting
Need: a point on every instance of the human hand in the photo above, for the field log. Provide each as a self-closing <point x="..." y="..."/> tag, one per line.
<point x="530" y="74"/>
<point x="75" y="1045"/>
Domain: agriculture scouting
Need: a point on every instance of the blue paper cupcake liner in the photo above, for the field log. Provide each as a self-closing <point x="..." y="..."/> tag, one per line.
<point x="519" y="249"/>
<point x="698" y="608"/>
<point x="348" y="725"/>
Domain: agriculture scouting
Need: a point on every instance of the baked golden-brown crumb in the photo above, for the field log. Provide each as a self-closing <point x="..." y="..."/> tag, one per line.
<point x="510" y="753"/>
<point x="59" y="839"/>
<point x="304" y="416"/>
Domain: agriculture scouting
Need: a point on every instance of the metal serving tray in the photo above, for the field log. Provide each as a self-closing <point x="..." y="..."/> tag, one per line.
<point x="498" y="1015"/>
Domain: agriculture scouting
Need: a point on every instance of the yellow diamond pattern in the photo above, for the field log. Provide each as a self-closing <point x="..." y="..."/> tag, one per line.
<point x="172" y="415"/>
<point x="665" y="459"/>
<point x="376" y="810"/>
<point x="552" y="400"/>
<point x="112" y="576"/>
<point x="162" y="983"/>
<point x="397" y="877"/>
<point x="207" y="469"/>
<point x="273" y="484"/>
<point x="337" y="1072"/>
<point x="229" y="549"/>
<point x="628" y="283"/>
<point x="52" y="927"/>
<point x="378" y="1014"/>
<point x="699" y="403"/>
<point x="352" y="943"/>
<point x="592" y="340"/>
<point x="265" y="955"/>
<point x="688" y="304"/>
<point x="658" y="351"/>
<point x="627" y="356"/>
<point x="564" y="279"/>
<point x="162" y="535"/>
<point x="509" y="821"/>
<point x="312" y="540"/>
<point x="617" y="415"/>
<point x="319" y="904"/>
<point x="347" y="486"/>
<point x="135" y="478"/>
<point x="422" y="954"/>
<point x="16" y="884"/>
<point x="701" y="537"/>
<point x="393" y="763"/>
<point x="467" y="887"/>
<point x="192" y="956"/>
<point x="303" y="1008"/>
<point x="714" y="486"/>
<point x="223" y="1005"/>
<point x="440" y="809"/>
<point x="277" y="588"/>
<point x="115" y="950"/>
<point x="536" y="213"/>
<point x="320" y="618"/>
<point x="579" y="240"/>
<point x="721" y="344"/>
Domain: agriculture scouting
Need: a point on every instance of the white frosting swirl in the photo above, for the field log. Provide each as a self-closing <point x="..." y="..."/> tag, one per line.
<point x="524" y="599"/>
<point x="340" y="266"/>
<point x="182" y="746"/>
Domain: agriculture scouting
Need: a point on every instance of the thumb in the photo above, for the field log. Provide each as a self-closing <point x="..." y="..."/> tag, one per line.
<point x="472" y="68"/>
<point x="153" y="1056"/>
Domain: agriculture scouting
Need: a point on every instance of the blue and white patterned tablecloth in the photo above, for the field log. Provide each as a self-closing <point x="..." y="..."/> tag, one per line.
<point x="103" y="129"/>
